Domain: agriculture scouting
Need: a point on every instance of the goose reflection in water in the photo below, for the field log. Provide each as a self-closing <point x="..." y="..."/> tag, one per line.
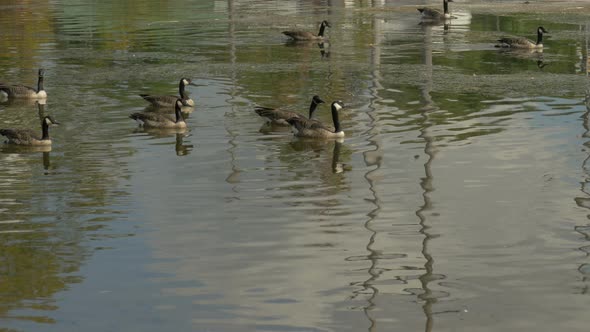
<point x="320" y="148"/>
<point x="23" y="150"/>
<point x="324" y="47"/>
<point x="180" y="147"/>
<point x="525" y="54"/>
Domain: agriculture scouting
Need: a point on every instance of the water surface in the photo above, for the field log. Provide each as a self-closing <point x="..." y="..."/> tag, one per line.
<point x="458" y="200"/>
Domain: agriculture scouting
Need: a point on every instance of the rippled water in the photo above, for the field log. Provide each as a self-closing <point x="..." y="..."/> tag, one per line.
<point x="458" y="200"/>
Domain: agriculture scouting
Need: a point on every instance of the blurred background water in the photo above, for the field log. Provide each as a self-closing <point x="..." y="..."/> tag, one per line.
<point x="457" y="201"/>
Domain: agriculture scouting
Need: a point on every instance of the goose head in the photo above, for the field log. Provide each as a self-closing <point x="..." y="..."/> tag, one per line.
<point x="337" y="105"/>
<point x="317" y="100"/>
<point x="48" y="120"/>
<point x="185" y="81"/>
<point x="41" y="72"/>
<point x="541" y="30"/>
<point x="326" y="23"/>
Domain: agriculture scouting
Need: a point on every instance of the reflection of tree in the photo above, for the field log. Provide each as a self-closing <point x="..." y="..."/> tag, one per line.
<point x="373" y="158"/>
<point x="426" y="183"/>
<point x="25" y="29"/>
<point x="584" y="201"/>
<point x="234" y="177"/>
<point x="30" y="274"/>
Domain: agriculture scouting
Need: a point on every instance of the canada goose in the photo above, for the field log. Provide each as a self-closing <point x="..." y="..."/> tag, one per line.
<point x="279" y="117"/>
<point x="23" y="91"/>
<point x="28" y="136"/>
<point x="169" y="100"/>
<point x="158" y="120"/>
<point x="431" y="14"/>
<point x="522" y="42"/>
<point x="305" y="35"/>
<point x="314" y="129"/>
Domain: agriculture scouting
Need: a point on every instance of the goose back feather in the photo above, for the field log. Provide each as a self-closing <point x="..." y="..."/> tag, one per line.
<point x="24" y="91"/>
<point x="522" y="42"/>
<point x="159" y="120"/>
<point x="170" y="100"/>
<point x="28" y="136"/>
<point x="433" y="14"/>
<point x="279" y="117"/>
<point x="303" y="127"/>
<point x="306" y="35"/>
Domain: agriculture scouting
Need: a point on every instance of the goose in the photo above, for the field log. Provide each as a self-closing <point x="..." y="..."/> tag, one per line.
<point x="303" y="127"/>
<point x="522" y="42"/>
<point x="29" y="137"/>
<point x="279" y="117"/>
<point x="158" y="120"/>
<point x="431" y="14"/>
<point x="305" y="35"/>
<point x="23" y="91"/>
<point x="169" y="100"/>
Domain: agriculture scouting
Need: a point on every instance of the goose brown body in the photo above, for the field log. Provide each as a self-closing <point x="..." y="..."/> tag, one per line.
<point x="279" y="117"/>
<point x="170" y="100"/>
<point x="306" y="35"/>
<point x="29" y="137"/>
<point x="159" y="120"/>
<point x="432" y="14"/>
<point x="522" y="42"/>
<point x="24" y="91"/>
<point x="303" y="127"/>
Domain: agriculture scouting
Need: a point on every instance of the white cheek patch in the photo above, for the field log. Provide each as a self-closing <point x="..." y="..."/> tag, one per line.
<point x="338" y="106"/>
<point x="185" y="82"/>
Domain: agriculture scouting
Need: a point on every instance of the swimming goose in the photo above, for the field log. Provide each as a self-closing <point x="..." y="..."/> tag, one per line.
<point x="23" y="91"/>
<point x="431" y="14"/>
<point x="28" y="136"/>
<point x="169" y="100"/>
<point x="279" y="117"/>
<point x="305" y="35"/>
<point x="158" y="120"/>
<point x="522" y="42"/>
<point x="314" y="129"/>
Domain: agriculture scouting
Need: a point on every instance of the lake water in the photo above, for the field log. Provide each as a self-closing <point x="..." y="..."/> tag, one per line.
<point x="457" y="202"/>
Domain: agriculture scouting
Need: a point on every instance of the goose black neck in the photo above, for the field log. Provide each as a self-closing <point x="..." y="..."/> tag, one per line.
<point x="322" y="28"/>
<point x="445" y="7"/>
<point x="45" y="128"/>
<point x="40" y="84"/>
<point x="312" y="108"/>
<point x="335" y="119"/>
<point x="539" y="37"/>
<point x="178" y="113"/>
<point x="183" y="94"/>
